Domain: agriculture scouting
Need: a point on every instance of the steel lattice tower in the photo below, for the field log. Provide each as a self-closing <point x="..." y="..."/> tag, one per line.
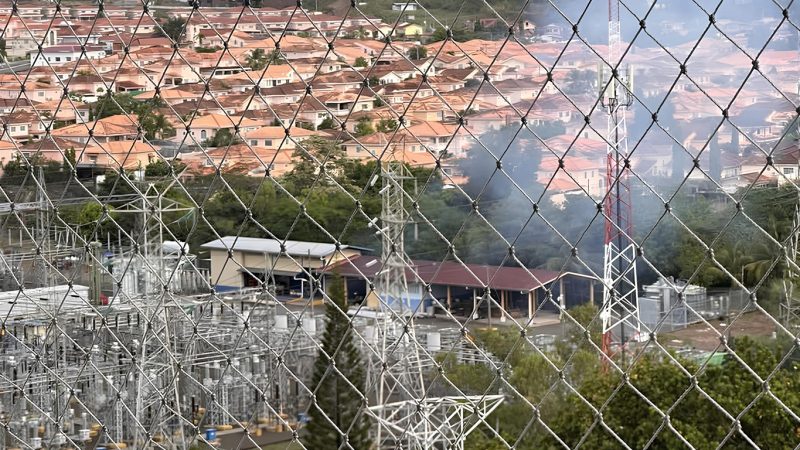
<point x="407" y="417"/>
<point x="399" y="377"/>
<point x="620" y="284"/>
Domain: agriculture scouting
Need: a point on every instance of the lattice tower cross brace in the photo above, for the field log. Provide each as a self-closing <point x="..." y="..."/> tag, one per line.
<point x="395" y="320"/>
<point x="620" y="287"/>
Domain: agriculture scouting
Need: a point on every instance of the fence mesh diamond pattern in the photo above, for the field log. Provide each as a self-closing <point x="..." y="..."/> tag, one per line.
<point x="240" y="224"/>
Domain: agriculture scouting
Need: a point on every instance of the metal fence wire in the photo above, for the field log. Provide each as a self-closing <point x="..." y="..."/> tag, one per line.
<point x="412" y="225"/>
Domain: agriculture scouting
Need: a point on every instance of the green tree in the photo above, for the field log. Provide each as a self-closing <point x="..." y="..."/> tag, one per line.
<point x="124" y="103"/>
<point x="223" y="138"/>
<point x="111" y="105"/>
<point x="69" y="159"/>
<point x="19" y="167"/>
<point x="327" y="124"/>
<point x="156" y="126"/>
<point x="161" y="168"/>
<point x="3" y="51"/>
<point x="207" y="49"/>
<point x="364" y="127"/>
<point x="90" y="218"/>
<point x="276" y="58"/>
<point x="418" y="52"/>
<point x="338" y="412"/>
<point x="361" y="62"/>
<point x="387" y="125"/>
<point x="257" y="59"/>
<point x="173" y="28"/>
<point x="460" y="34"/>
<point x="310" y="155"/>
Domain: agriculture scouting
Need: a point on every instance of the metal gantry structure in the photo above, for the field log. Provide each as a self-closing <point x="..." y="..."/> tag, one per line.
<point x="397" y="374"/>
<point x="407" y="416"/>
<point x="620" y="308"/>
<point x="162" y="357"/>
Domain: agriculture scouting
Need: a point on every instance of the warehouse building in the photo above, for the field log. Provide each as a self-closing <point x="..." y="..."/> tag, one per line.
<point x="252" y="260"/>
<point x="459" y="287"/>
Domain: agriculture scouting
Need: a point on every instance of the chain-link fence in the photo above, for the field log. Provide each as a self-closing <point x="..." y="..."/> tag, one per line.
<point x="420" y="224"/>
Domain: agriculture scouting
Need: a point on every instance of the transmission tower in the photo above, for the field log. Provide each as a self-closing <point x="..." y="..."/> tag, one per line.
<point x="408" y="418"/>
<point x="620" y="285"/>
<point x="397" y="374"/>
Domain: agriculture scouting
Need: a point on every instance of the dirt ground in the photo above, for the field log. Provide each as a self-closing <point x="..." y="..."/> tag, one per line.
<point x="702" y="337"/>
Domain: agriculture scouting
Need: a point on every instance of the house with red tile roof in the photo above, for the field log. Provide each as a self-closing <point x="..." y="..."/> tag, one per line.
<point x="203" y="128"/>
<point x="109" y="129"/>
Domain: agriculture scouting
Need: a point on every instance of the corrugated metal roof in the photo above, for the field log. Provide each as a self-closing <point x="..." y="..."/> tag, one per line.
<point x="272" y="246"/>
<point x="454" y="273"/>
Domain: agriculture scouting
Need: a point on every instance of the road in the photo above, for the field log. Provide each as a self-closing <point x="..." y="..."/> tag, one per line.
<point x="15" y="67"/>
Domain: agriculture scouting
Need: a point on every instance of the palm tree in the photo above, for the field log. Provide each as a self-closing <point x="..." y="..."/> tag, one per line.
<point x="257" y="60"/>
<point x="155" y="126"/>
<point x="767" y="264"/>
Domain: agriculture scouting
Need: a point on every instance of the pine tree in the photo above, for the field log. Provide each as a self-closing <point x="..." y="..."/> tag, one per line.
<point x="338" y="377"/>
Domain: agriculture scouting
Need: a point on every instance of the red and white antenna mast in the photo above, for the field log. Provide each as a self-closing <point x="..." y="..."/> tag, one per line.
<point x="620" y="310"/>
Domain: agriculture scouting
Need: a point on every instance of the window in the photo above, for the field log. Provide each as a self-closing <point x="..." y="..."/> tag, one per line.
<point x="40" y="93"/>
<point x="58" y="59"/>
<point x="364" y="106"/>
<point x="268" y="142"/>
<point x="69" y="58"/>
<point x="253" y="142"/>
<point x="203" y="134"/>
<point x="13" y="129"/>
<point x="786" y="170"/>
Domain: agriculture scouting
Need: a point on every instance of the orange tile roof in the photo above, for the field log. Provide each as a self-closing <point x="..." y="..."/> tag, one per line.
<point x="277" y="132"/>
<point x="221" y="121"/>
<point x="119" y="125"/>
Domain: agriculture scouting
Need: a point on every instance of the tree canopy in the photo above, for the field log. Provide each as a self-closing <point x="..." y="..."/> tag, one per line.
<point x="338" y="376"/>
<point x="573" y="384"/>
<point x="173" y="28"/>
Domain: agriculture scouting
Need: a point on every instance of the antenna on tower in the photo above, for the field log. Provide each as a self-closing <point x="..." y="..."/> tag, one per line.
<point x="620" y="285"/>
